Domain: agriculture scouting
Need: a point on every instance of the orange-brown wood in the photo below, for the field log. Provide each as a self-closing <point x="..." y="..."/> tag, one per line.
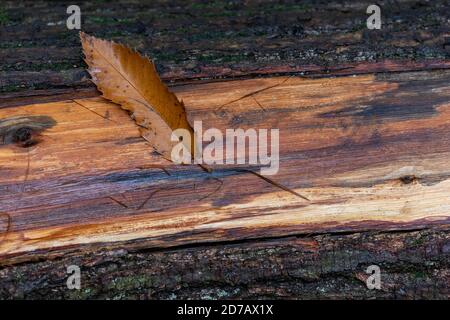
<point x="369" y="152"/>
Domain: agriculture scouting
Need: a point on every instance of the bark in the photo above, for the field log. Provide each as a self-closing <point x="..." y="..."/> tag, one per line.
<point x="218" y="39"/>
<point x="413" y="264"/>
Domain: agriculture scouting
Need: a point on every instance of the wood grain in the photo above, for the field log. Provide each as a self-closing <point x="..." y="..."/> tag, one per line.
<point x="370" y="152"/>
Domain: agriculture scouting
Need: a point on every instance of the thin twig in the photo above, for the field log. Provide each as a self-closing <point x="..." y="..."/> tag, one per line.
<point x="154" y="167"/>
<point x="83" y="106"/>
<point x="118" y="202"/>
<point x="146" y="200"/>
<point x="273" y="183"/>
<point x="217" y="189"/>
<point x="259" y="104"/>
<point x="205" y="168"/>
<point x="166" y="171"/>
<point x="254" y="92"/>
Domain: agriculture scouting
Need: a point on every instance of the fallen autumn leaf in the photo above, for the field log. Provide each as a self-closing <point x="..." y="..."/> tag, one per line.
<point x="130" y="80"/>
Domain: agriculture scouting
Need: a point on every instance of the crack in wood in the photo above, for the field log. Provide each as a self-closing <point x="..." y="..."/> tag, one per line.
<point x="259" y="104"/>
<point x="148" y="198"/>
<point x="154" y="167"/>
<point x="276" y="184"/>
<point x="118" y="202"/>
<point x="253" y="93"/>
<point x="83" y="106"/>
<point x="215" y="190"/>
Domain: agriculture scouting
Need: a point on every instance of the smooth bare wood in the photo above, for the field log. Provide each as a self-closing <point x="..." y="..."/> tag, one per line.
<point x="369" y="152"/>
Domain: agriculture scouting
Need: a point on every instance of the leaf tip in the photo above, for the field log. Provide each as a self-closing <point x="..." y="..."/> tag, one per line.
<point x="82" y="35"/>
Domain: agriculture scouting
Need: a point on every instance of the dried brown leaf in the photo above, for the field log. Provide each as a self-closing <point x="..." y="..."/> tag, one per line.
<point x="130" y="80"/>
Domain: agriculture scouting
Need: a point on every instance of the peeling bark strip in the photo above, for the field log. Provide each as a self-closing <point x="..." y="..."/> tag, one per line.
<point x="369" y="152"/>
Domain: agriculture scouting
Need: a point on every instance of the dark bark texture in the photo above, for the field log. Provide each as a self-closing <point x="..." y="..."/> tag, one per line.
<point x="217" y="39"/>
<point x="413" y="265"/>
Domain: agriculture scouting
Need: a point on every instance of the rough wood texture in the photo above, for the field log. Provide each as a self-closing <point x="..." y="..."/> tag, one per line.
<point x="369" y="152"/>
<point x="219" y="38"/>
<point x="414" y="265"/>
<point x="41" y="61"/>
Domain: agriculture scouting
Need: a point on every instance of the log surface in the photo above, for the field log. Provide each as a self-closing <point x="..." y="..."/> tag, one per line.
<point x="41" y="62"/>
<point x="369" y="152"/>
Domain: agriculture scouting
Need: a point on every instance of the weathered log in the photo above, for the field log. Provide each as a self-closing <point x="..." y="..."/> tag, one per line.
<point x="369" y="152"/>
<point x="356" y="145"/>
